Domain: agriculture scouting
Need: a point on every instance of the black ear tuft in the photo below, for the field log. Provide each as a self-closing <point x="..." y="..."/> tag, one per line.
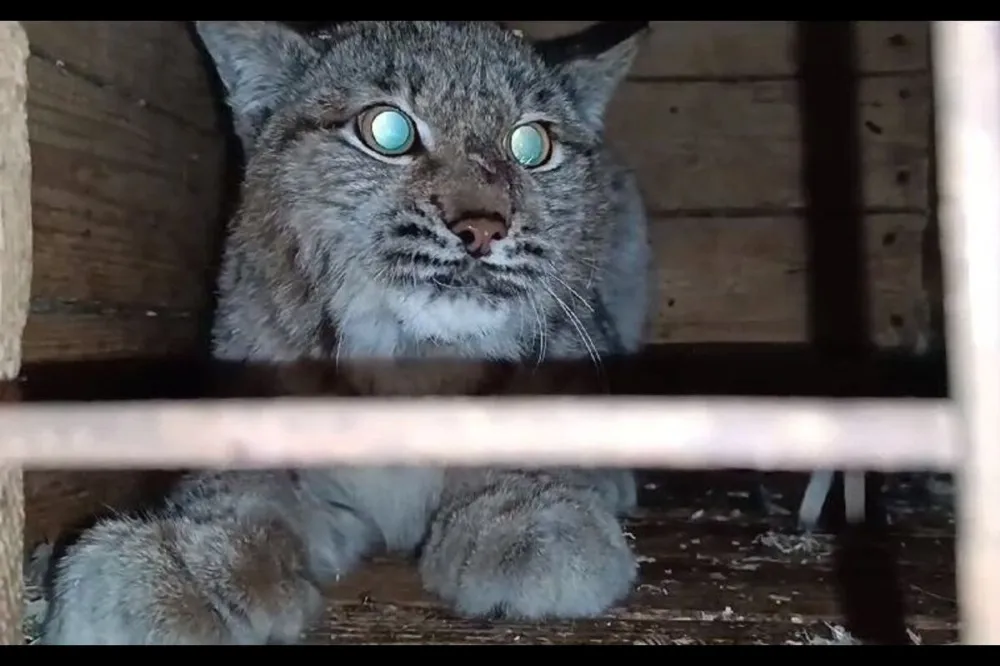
<point x="591" y="63"/>
<point x="589" y="42"/>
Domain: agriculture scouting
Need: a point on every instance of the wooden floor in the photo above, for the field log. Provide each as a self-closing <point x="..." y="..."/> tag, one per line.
<point x="714" y="571"/>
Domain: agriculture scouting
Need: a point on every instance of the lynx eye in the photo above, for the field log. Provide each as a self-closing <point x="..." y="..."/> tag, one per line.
<point x="530" y="145"/>
<point x="387" y="130"/>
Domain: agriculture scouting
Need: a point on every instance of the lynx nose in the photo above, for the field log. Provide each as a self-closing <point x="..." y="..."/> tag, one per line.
<point x="478" y="233"/>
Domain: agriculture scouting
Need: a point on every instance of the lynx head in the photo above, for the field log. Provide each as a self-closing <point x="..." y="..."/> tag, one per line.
<point x="450" y="173"/>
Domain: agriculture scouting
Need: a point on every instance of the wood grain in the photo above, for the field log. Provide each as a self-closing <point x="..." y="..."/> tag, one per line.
<point x="744" y="279"/>
<point x="738" y="145"/>
<point x="69" y="337"/>
<point x="718" y="279"/>
<point x="126" y="201"/>
<point x="728" y="49"/>
<point x="153" y="63"/>
<point x="15" y="278"/>
<point x="126" y="187"/>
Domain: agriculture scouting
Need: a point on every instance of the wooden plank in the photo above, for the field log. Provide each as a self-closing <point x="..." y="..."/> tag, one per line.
<point x="153" y="63"/>
<point x="60" y="501"/>
<point x="725" y="49"/>
<point x="69" y="337"/>
<point x="126" y="201"/>
<point x="402" y="624"/>
<point x="718" y="280"/>
<point x="15" y="279"/>
<point x="737" y="145"/>
<point x="15" y="199"/>
<point x="97" y="253"/>
<point x="744" y="279"/>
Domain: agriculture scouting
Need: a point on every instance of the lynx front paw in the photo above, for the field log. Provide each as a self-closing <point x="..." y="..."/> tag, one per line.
<point x="170" y="582"/>
<point x="564" y="560"/>
<point x="617" y="488"/>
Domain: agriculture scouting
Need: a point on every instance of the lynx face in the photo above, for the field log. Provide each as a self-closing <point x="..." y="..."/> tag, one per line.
<point x="445" y="172"/>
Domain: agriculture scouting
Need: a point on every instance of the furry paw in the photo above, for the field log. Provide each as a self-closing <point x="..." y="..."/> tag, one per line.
<point x="178" y="582"/>
<point x="538" y="558"/>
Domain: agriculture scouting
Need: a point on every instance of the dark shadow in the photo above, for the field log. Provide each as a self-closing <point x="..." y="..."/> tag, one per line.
<point x="933" y="269"/>
<point x="718" y="370"/>
<point x="866" y="567"/>
<point x="834" y="198"/>
<point x="839" y="327"/>
<point x="229" y="196"/>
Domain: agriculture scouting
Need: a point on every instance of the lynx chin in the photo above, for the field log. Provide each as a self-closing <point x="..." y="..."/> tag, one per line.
<point x="413" y="191"/>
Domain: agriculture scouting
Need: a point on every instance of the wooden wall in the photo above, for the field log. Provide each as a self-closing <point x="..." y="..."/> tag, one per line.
<point x="127" y="170"/>
<point x="127" y="164"/>
<point x="709" y="119"/>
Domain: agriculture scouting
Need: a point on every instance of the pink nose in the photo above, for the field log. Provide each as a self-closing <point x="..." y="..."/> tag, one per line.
<point x="478" y="233"/>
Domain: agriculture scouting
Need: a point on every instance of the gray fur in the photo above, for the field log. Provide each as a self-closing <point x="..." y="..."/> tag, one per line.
<point x="320" y="264"/>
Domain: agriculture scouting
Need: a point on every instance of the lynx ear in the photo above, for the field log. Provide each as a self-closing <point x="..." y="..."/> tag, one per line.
<point x="256" y="61"/>
<point x="594" y="61"/>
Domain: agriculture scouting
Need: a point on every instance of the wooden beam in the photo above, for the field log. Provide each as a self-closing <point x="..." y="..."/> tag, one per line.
<point x="967" y="56"/>
<point x="699" y="433"/>
<point x="15" y="280"/>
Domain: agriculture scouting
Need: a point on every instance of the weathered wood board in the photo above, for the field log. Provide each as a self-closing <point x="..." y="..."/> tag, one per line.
<point x="709" y="119"/>
<point x="127" y="188"/>
<point x="726" y="279"/>
<point x="752" y="49"/>
<point x="737" y="146"/>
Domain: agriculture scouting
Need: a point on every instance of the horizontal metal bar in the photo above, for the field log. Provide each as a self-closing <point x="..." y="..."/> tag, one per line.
<point x="790" y="434"/>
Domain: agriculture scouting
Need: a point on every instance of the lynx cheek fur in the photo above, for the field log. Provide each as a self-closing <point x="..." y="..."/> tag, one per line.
<point x="462" y="244"/>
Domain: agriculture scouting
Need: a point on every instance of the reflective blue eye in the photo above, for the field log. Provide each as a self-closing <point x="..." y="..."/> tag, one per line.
<point x="387" y="130"/>
<point x="530" y="145"/>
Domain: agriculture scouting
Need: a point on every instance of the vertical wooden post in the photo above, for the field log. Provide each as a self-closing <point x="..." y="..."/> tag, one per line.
<point x="15" y="280"/>
<point x="967" y="77"/>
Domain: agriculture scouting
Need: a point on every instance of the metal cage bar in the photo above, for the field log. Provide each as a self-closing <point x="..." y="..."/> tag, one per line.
<point x="967" y="78"/>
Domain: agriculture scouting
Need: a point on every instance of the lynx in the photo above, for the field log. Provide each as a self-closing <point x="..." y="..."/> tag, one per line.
<point x="413" y="191"/>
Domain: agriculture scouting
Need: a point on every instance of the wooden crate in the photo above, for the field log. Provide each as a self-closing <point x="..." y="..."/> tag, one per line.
<point x="127" y="148"/>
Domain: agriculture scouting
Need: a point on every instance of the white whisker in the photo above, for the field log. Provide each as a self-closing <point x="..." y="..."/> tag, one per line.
<point x="571" y="290"/>
<point x="540" y="329"/>
<point x="588" y="341"/>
